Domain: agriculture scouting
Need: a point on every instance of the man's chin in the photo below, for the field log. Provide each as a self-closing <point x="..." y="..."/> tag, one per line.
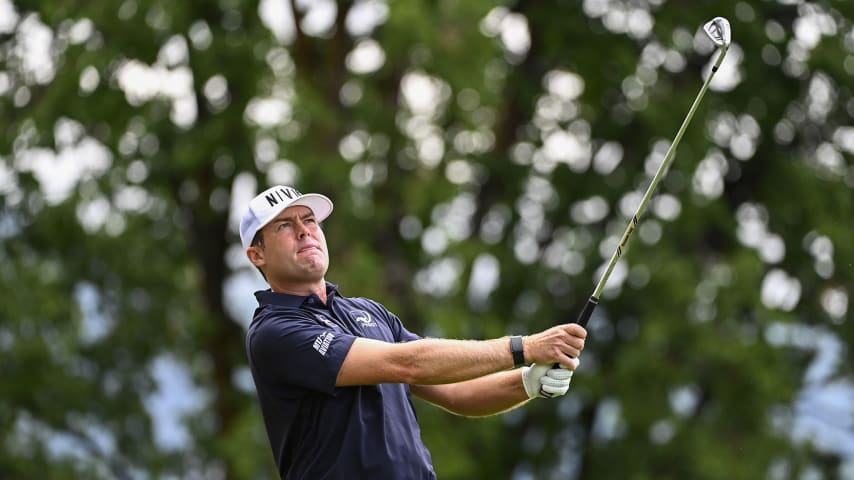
<point x="314" y="270"/>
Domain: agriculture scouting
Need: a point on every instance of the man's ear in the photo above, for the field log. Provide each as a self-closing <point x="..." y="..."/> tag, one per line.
<point x="255" y="255"/>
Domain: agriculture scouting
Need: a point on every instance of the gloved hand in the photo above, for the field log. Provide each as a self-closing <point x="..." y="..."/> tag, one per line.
<point x="545" y="381"/>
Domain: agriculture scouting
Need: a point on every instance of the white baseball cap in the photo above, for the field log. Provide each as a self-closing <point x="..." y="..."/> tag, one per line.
<point x="269" y="203"/>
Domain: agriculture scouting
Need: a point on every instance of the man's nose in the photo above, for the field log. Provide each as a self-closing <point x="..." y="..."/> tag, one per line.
<point x="302" y="231"/>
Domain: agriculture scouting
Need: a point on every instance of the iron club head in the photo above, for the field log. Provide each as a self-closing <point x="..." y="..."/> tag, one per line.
<point x="718" y="31"/>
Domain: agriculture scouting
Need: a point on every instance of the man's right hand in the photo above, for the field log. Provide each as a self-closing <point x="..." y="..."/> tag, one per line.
<point x="561" y="344"/>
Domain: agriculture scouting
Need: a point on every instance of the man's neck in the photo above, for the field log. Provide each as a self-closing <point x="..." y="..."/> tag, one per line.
<point x="304" y="290"/>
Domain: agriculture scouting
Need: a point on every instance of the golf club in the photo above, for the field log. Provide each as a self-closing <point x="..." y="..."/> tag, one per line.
<point x="718" y="30"/>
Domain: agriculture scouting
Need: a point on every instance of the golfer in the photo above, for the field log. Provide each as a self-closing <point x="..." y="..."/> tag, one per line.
<point x="334" y="374"/>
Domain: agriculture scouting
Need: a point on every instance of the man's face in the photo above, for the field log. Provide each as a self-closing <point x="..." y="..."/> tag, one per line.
<point x="293" y="250"/>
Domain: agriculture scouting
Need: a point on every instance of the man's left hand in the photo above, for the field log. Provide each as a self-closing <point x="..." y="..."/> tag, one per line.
<point x="554" y="381"/>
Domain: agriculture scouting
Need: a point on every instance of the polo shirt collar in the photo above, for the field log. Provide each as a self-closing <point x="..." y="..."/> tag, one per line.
<point x="269" y="297"/>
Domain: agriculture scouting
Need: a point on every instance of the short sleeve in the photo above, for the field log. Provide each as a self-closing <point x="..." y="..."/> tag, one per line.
<point x="401" y="334"/>
<point x="298" y="351"/>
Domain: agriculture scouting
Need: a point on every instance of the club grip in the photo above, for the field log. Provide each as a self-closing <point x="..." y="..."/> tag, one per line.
<point x="582" y="320"/>
<point x="587" y="311"/>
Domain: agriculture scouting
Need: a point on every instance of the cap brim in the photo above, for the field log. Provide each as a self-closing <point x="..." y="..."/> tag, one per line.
<point x="319" y="204"/>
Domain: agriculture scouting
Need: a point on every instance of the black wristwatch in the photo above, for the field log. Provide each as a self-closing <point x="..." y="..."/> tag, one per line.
<point x="518" y="350"/>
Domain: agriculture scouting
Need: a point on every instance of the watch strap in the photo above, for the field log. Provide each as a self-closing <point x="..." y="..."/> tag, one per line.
<point x="518" y="350"/>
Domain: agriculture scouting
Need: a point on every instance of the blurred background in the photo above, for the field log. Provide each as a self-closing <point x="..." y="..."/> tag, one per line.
<point x="484" y="158"/>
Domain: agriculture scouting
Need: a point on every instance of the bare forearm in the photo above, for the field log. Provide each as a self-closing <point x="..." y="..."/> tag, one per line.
<point x="442" y="361"/>
<point x="427" y="361"/>
<point x="439" y="361"/>
<point x="487" y="395"/>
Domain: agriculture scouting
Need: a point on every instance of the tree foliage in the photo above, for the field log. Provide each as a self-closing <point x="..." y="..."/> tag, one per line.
<point x="483" y="158"/>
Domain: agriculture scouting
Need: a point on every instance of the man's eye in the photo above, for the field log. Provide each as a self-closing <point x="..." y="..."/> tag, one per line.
<point x="310" y="220"/>
<point x="284" y="225"/>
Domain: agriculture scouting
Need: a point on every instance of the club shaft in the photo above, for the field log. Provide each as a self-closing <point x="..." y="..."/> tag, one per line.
<point x="633" y="222"/>
<point x="593" y="301"/>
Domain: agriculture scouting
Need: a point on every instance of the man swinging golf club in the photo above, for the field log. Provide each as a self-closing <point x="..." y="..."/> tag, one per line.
<point x="334" y="374"/>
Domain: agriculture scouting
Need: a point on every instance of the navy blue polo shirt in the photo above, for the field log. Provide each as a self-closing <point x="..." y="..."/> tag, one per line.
<point x="296" y="346"/>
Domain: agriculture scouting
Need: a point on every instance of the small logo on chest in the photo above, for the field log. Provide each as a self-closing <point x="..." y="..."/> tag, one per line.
<point x="325" y="320"/>
<point x="363" y="318"/>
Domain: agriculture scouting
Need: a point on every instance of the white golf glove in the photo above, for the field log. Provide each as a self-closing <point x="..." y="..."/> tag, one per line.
<point x="545" y="381"/>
